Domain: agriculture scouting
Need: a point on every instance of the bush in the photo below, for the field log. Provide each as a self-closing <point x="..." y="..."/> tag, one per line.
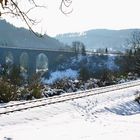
<point x="137" y="98"/>
<point x="8" y="91"/>
<point x="25" y="94"/>
<point x="84" y="74"/>
<point x="30" y="92"/>
<point x="34" y="86"/>
<point x="108" y="77"/>
<point x="36" y="92"/>
<point x="15" y="76"/>
<point x="11" y="86"/>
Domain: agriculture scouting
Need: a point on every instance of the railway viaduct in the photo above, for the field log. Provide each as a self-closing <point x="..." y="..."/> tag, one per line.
<point x="32" y="60"/>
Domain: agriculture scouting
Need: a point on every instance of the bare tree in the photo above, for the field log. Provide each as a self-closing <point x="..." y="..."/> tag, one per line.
<point x="130" y="62"/>
<point x="134" y="40"/>
<point x="13" y="7"/>
<point x="65" y="4"/>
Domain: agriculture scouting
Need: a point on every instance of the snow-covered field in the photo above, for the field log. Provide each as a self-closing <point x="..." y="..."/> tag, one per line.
<point x="111" y="116"/>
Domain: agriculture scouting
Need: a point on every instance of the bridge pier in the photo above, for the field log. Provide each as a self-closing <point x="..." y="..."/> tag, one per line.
<point x="32" y="64"/>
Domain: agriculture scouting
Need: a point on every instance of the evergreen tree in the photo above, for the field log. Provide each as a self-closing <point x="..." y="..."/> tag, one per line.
<point x="83" y="50"/>
<point x="106" y="50"/>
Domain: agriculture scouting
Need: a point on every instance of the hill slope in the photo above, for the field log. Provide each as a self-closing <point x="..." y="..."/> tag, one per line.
<point x="11" y="36"/>
<point x="99" y="38"/>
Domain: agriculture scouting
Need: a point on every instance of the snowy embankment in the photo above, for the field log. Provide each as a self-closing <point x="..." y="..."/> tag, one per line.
<point x="59" y="75"/>
<point x="111" y="116"/>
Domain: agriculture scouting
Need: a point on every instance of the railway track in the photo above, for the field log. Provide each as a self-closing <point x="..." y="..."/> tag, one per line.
<point x="6" y="109"/>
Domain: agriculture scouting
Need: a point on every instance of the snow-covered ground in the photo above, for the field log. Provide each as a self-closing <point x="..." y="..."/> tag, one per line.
<point x="111" y="116"/>
<point x="59" y="75"/>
